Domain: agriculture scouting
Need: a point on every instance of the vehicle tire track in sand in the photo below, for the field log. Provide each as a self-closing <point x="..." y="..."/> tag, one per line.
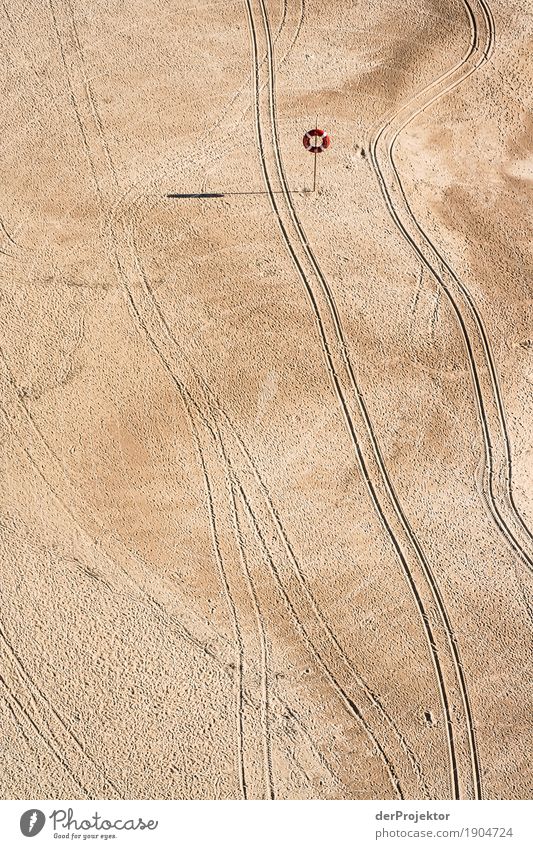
<point x="373" y="697"/>
<point x="239" y="642"/>
<point x="265" y="662"/>
<point x="21" y="715"/>
<point x="245" y="653"/>
<point x="231" y="133"/>
<point x="352" y="708"/>
<point x="348" y="702"/>
<point x="202" y="637"/>
<point x="294" y="577"/>
<point x="265" y="712"/>
<point x="89" y="92"/>
<point x="150" y="310"/>
<point x="440" y="638"/>
<point x="49" y="468"/>
<point x="51" y="737"/>
<point x="497" y="461"/>
<point x="41" y="463"/>
<point x="468" y="316"/>
<point x="74" y="100"/>
<point x="119" y="263"/>
<point x="243" y="87"/>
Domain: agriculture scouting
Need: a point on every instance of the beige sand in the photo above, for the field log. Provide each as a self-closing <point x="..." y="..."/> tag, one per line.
<point x="267" y="457"/>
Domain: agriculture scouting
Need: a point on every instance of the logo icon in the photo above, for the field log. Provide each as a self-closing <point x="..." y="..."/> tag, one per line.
<point x="32" y="822"/>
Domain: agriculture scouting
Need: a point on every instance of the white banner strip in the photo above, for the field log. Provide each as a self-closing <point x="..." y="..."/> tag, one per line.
<point x="278" y="825"/>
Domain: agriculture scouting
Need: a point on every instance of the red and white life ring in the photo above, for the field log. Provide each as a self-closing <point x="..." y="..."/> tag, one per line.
<point x="315" y="141"/>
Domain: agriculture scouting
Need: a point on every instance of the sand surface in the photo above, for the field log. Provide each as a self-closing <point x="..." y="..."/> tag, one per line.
<point x="267" y="464"/>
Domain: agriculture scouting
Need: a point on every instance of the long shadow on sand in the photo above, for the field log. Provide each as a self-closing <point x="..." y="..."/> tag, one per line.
<point x="228" y="194"/>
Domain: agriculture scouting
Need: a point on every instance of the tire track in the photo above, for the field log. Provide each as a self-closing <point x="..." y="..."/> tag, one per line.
<point x="208" y="419"/>
<point x="36" y="695"/>
<point x="124" y="272"/>
<point x="291" y="717"/>
<point x="50" y="470"/>
<point x="497" y="461"/>
<point x="265" y="721"/>
<point x="213" y="409"/>
<point x="257" y="121"/>
<point x="16" y="42"/>
<point x="20" y="727"/>
<point x="231" y="609"/>
<point x="217" y="157"/>
<point x="265" y="663"/>
<point x="50" y="737"/>
<point x="89" y="93"/>
<point x="350" y="705"/>
<point x="137" y="191"/>
<point x="202" y="637"/>
<point x="402" y="529"/>
<point x="74" y="100"/>
<point x="21" y="715"/>
<point x="209" y="495"/>
<point x="245" y="656"/>
<point x="41" y="462"/>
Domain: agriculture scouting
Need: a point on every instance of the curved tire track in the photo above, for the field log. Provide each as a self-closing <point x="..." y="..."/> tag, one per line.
<point x="497" y="461"/>
<point x="403" y="529"/>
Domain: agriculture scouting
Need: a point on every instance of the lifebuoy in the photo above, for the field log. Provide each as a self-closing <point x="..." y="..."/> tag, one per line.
<point x="315" y="141"/>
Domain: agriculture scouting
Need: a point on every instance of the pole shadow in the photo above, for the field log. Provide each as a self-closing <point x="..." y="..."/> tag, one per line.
<point x="176" y="195"/>
<point x="197" y="195"/>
